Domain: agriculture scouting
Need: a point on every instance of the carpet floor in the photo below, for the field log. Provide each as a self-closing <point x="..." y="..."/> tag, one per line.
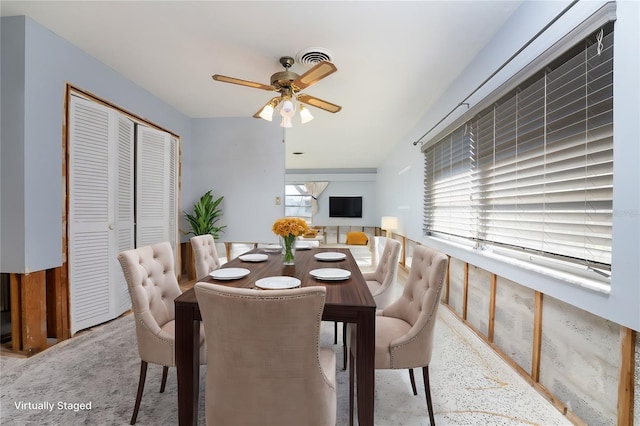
<point x="470" y="384"/>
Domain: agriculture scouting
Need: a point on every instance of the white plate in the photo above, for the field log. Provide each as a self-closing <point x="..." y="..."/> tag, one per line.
<point x="330" y="274"/>
<point x="229" y="273"/>
<point x="273" y="248"/>
<point x="253" y="257"/>
<point x="329" y="256"/>
<point x="303" y="246"/>
<point x="278" y="283"/>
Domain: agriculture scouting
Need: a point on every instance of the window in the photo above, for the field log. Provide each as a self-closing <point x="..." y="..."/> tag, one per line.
<point x="297" y="202"/>
<point x="533" y="172"/>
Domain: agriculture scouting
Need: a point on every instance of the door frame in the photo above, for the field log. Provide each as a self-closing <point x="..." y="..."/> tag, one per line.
<point x="60" y="307"/>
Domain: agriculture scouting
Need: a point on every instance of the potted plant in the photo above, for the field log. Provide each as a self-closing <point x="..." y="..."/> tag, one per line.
<point x="206" y="213"/>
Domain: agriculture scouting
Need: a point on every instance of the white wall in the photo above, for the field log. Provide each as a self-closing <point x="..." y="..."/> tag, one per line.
<point x="241" y="159"/>
<point x="404" y="192"/>
<point x="36" y="65"/>
<point x="12" y="76"/>
<point x="343" y="183"/>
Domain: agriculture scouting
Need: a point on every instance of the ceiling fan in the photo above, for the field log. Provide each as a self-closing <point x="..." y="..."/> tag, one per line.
<point x="289" y="84"/>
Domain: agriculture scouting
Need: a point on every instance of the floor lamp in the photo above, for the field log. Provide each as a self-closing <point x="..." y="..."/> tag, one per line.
<point x="389" y="223"/>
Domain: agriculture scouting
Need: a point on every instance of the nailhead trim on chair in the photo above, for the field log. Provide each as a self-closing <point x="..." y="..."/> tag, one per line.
<point x="318" y="364"/>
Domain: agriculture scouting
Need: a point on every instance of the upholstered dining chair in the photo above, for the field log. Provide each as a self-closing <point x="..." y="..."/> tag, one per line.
<point x="205" y="255"/>
<point x="151" y="279"/>
<point x="265" y="366"/>
<point x="380" y="283"/>
<point x="404" y="329"/>
<point x="381" y="280"/>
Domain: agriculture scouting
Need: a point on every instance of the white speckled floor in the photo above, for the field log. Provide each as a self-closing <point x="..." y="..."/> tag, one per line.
<point x="470" y="384"/>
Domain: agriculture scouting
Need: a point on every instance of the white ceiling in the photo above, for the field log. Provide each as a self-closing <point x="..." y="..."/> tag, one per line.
<point x="394" y="59"/>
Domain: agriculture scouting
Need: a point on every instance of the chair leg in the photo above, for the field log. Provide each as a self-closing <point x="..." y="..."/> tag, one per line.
<point x="413" y="381"/>
<point x="344" y="346"/>
<point x="165" y="370"/>
<point x="335" y="332"/>
<point x="351" y="380"/>
<point x="143" y="376"/>
<point x="427" y="391"/>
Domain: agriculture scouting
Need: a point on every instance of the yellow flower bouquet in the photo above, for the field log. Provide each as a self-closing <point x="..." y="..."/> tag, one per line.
<point x="288" y="229"/>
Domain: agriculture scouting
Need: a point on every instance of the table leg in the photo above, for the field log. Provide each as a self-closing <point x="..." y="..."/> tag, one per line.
<point x="365" y="366"/>
<point x="188" y="364"/>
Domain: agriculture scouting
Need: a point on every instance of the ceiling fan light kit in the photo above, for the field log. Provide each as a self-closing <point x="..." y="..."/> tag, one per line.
<point x="289" y="84"/>
<point x="287" y="111"/>
<point x="267" y="112"/>
<point x="305" y="115"/>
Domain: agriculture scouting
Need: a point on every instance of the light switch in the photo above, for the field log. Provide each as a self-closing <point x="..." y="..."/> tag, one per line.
<point x="278" y="201"/>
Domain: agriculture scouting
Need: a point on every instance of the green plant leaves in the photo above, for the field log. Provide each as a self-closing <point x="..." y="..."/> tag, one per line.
<point x="206" y="212"/>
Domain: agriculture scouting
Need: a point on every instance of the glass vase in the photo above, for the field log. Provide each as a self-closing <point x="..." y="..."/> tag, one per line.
<point x="288" y="245"/>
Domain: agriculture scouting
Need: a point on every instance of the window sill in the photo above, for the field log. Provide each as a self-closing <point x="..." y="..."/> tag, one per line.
<point x="516" y="269"/>
<point x="563" y="276"/>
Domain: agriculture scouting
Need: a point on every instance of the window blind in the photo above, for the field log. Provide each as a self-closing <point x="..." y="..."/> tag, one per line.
<point x="297" y="201"/>
<point x="534" y="170"/>
<point x="448" y="180"/>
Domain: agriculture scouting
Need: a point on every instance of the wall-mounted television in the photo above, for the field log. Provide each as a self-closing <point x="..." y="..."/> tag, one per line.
<point x="345" y="206"/>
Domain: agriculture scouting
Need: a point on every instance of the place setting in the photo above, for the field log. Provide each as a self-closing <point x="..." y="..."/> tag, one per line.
<point x="278" y="283"/>
<point x="330" y="256"/>
<point x="226" y="274"/>
<point x="330" y="274"/>
<point x="254" y="257"/>
<point x="272" y="248"/>
<point x="303" y="246"/>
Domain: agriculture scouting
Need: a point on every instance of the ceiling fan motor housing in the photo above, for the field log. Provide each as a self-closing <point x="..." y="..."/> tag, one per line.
<point x="283" y="79"/>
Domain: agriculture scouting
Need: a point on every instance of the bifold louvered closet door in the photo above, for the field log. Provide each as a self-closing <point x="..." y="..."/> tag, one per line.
<point x="102" y="204"/>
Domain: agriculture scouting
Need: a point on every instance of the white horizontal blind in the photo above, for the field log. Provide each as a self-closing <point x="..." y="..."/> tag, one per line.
<point x="538" y="163"/>
<point x="297" y="201"/>
<point x="448" y="183"/>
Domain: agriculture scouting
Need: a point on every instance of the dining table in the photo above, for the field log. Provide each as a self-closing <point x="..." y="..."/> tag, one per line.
<point x="347" y="300"/>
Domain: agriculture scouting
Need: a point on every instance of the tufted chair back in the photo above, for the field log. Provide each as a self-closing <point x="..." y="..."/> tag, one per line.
<point x="418" y="307"/>
<point x="266" y="366"/>
<point x="153" y="286"/>
<point x="381" y="280"/>
<point x="404" y="329"/>
<point x="205" y="255"/>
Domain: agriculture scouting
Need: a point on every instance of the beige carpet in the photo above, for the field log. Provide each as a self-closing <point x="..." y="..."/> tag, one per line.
<point x="470" y="384"/>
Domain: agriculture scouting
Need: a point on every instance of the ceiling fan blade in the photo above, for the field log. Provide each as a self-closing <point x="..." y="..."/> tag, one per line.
<point x="225" y="79"/>
<point x="318" y="103"/>
<point x="314" y="75"/>
<point x="273" y="102"/>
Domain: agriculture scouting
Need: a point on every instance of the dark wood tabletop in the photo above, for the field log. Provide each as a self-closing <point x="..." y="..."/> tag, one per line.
<point x="346" y="300"/>
<point x="348" y="293"/>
